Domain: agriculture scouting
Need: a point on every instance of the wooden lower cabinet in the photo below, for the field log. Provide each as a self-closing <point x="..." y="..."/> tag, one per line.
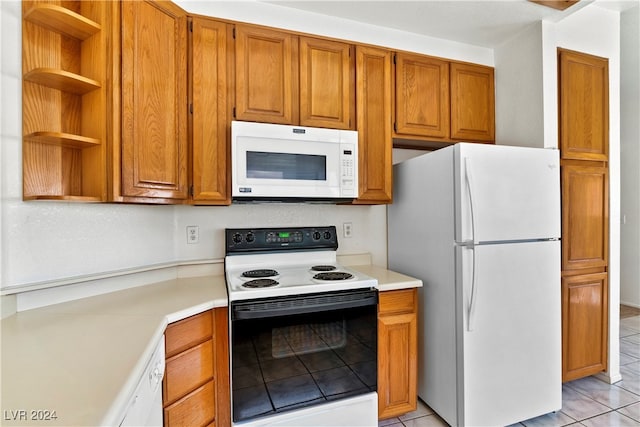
<point x="195" y="389"/>
<point x="397" y="352"/>
<point x="584" y="325"/>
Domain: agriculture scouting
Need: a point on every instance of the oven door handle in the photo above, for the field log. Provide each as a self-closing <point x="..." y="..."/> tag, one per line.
<point x="288" y="307"/>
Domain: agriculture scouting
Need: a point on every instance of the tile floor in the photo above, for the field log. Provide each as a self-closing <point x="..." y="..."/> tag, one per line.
<point x="585" y="402"/>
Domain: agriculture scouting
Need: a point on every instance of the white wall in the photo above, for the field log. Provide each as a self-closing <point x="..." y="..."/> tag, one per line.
<point x="313" y="23"/>
<point x="630" y="157"/>
<point x="519" y="93"/>
<point x="45" y="241"/>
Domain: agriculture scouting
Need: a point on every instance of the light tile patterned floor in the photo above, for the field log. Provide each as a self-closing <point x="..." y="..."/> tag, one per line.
<point x="585" y="402"/>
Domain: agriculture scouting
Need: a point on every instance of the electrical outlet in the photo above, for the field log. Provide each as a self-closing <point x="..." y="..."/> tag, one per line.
<point x="347" y="229"/>
<point x="193" y="234"/>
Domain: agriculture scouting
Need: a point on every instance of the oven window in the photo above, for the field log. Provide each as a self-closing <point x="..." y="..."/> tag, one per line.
<point x="294" y="361"/>
<point x="307" y="167"/>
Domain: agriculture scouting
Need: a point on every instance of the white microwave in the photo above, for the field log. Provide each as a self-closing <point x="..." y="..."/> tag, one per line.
<point x="293" y="163"/>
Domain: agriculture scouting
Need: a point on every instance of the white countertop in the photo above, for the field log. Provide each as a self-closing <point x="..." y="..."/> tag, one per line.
<point x="388" y="280"/>
<point x="83" y="358"/>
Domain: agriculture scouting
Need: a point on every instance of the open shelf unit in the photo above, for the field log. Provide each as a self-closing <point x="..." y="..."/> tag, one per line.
<point x="64" y="111"/>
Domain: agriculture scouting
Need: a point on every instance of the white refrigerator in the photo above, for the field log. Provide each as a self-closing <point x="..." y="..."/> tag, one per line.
<point x="480" y="226"/>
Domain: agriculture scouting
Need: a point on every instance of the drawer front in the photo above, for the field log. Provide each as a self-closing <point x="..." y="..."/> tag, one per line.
<point x="188" y="370"/>
<point x="195" y="409"/>
<point x="402" y="301"/>
<point x="187" y="332"/>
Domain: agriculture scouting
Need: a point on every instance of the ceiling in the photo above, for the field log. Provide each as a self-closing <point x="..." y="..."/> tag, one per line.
<point x="485" y="23"/>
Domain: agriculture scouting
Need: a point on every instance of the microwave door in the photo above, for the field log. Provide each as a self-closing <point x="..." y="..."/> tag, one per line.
<point x="292" y="169"/>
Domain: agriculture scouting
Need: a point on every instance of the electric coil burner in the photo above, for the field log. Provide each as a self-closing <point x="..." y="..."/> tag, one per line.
<point x="263" y="272"/>
<point x="303" y="330"/>
<point x="333" y="275"/>
<point x="323" y="267"/>
<point x="260" y="283"/>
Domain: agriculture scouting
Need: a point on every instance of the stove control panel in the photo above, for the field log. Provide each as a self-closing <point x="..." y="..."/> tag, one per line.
<point x="239" y="240"/>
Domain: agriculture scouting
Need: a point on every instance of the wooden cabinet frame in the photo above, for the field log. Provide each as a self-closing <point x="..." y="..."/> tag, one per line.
<point x="66" y="94"/>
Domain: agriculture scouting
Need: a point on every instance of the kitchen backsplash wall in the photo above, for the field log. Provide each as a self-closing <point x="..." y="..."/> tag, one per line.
<point x="369" y="226"/>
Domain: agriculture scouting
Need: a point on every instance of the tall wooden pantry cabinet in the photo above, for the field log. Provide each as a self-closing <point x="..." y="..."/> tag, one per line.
<point x="584" y="152"/>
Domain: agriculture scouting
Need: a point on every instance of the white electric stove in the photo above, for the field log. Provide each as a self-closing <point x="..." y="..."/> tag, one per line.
<point x="303" y="331"/>
<point x="275" y="262"/>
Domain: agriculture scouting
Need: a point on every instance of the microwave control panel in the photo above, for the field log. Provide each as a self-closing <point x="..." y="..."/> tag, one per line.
<point x="348" y="168"/>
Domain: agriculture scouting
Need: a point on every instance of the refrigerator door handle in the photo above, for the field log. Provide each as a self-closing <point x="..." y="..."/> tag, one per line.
<point x="468" y="177"/>
<point x="474" y="290"/>
<point x="470" y="244"/>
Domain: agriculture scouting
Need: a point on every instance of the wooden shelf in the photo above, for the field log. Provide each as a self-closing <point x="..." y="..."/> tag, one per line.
<point x="62" y="139"/>
<point x="62" y="20"/>
<point x="62" y="80"/>
<point x="84" y="199"/>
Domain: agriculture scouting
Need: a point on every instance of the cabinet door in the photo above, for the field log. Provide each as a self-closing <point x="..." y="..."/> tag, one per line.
<point x="422" y="96"/>
<point x="154" y="100"/>
<point x="210" y="131"/>
<point x="584" y="106"/>
<point x="327" y="87"/>
<point x="373" y="98"/>
<point x="585" y="217"/>
<point x="196" y="381"/>
<point x="472" y="102"/>
<point x="397" y="353"/>
<point x="266" y="75"/>
<point x="584" y="325"/>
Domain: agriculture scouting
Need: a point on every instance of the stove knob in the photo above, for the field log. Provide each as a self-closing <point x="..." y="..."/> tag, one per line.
<point x="250" y="237"/>
<point x="316" y="235"/>
<point x="237" y="238"/>
<point x="327" y="235"/>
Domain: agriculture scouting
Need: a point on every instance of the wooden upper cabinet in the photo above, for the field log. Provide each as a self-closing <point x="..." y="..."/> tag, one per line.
<point x="66" y="99"/>
<point x="373" y="99"/>
<point x="327" y="83"/>
<point x="584" y="325"/>
<point x="211" y="47"/>
<point x="472" y="102"/>
<point x="422" y="96"/>
<point x="266" y="79"/>
<point x="585" y="217"/>
<point x="154" y="101"/>
<point x="584" y="106"/>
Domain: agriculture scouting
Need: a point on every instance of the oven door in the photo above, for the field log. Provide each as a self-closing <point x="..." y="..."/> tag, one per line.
<point x="301" y="352"/>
